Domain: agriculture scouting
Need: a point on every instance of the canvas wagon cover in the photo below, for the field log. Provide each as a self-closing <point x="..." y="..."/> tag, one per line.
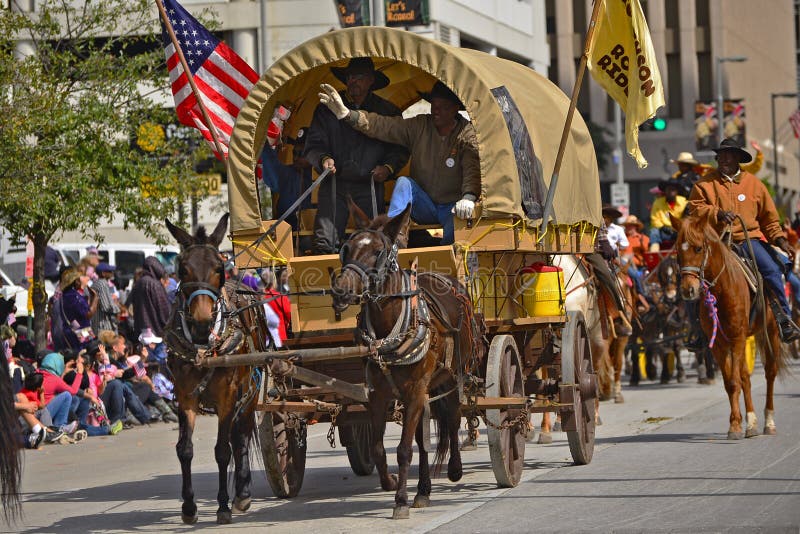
<point x="518" y="116"/>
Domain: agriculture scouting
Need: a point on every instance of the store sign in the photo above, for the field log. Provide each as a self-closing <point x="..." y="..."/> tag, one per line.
<point x="406" y="12"/>
<point x="353" y="13"/>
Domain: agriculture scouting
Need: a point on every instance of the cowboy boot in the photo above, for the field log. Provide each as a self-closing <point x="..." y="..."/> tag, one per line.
<point x="167" y="415"/>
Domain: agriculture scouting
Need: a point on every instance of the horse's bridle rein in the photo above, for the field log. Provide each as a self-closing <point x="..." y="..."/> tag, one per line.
<point x="699" y="272"/>
<point x="372" y="278"/>
<point x="183" y="302"/>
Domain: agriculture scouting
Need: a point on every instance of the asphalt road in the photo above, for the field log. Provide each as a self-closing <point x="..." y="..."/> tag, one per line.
<point x="661" y="463"/>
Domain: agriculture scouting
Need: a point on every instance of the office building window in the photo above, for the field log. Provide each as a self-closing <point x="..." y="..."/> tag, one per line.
<point x="674" y="86"/>
<point x="671" y="13"/>
<point x="701" y="13"/>
<point x="705" y="73"/>
<point x="579" y="20"/>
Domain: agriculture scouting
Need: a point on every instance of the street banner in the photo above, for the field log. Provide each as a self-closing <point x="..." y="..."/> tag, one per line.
<point x="623" y="62"/>
<point x="794" y="120"/>
<point x="705" y="126"/>
<point x="353" y="13"/>
<point x="406" y="12"/>
<point x="733" y="122"/>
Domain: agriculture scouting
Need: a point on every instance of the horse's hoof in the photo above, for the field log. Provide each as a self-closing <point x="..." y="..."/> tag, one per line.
<point x="240" y="506"/>
<point x="619" y="399"/>
<point x="420" y="501"/>
<point x="770" y="431"/>
<point x="401" y="512"/>
<point x="189" y="519"/>
<point x="735" y="435"/>
<point x="751" y="433"/>
<point x="545" y="438"/>
<point x="664" y="381"/>
<point x="598" y="421"/>
<point x="224" y="517"/>
<point x="557" y="426"/>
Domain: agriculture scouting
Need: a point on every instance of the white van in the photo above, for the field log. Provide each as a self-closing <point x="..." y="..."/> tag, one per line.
<point x="126" y="257"/>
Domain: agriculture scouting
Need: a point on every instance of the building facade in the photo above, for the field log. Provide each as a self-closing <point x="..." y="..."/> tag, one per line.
<point x="696" y="43"/>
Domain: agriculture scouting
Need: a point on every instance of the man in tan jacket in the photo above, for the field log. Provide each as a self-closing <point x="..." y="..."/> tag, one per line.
<point x="728" y="191"/>
<point x="445" y="169"/>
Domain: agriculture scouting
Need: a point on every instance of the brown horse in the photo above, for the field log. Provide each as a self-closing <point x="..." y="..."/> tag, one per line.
<point x="710" y="271"/>
<point x="201" y="325"/>
<point x="423" y="335"/>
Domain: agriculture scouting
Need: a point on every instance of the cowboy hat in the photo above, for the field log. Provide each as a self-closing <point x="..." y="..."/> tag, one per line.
<point x="68" y="278"/>
<point x="731" y="145"/>
<point x="633" y="220"/>
<point x="361" y="65"/>
<point x="440" y="90"/>
<point x="685" y="157"/>
<point x="611" y="211"/>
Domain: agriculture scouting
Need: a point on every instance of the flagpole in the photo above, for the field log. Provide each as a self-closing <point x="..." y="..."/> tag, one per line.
<point x="576" y="89"/>
<point x="211" y="127"/>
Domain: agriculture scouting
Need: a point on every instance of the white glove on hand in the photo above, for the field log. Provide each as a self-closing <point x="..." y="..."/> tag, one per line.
<point x="331" y="98"/>
<point x="465" y="208"/>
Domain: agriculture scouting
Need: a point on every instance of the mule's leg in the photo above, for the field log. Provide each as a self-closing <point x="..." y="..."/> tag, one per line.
<point x="455" y="469"/>
<point x="617" y="361"/>
<point x="665" y="374"/>
<point x="377" y="408"/>
<point x="240" y="439"/>
<point x="680" y="372"/>
<point x="185" y="450"/>
<point x="222" y="454"/>
<point x="413" y="402"/>
<point x="545" y="437"/>
<point x="423" y="497"/>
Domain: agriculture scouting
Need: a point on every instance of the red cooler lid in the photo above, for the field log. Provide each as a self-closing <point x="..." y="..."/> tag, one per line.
<point x="541" y="267"/>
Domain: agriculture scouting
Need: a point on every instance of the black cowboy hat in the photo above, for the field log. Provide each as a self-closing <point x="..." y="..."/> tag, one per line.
<point x="731" y="145"/>
<point x="611" y="211"/>
<point x="440" y="90"/>
<point x="361" y="65"/>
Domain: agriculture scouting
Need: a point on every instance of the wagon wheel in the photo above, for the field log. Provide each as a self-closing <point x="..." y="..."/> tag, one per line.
<point x="576" y="368"/>
<point x="357" y="439"/>
<point x="504" y="379"/>
<point x="283" y="448"/>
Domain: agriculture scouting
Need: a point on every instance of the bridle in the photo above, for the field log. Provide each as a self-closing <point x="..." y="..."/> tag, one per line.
<point x="699" y="272"/>
<point x="182" y="302"/>
<point x="374" y="277"/>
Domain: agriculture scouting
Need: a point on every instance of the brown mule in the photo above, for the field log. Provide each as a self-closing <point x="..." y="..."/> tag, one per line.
<point x="708" y="265"/>
<point x="201" y="321"/>
<point x="424" y="336"/>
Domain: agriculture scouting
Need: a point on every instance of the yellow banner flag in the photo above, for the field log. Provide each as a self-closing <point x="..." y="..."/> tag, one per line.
<point x="622" y="61"/>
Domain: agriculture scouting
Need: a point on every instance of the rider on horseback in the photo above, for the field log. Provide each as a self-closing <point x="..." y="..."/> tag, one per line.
<point x="728" y="192"/>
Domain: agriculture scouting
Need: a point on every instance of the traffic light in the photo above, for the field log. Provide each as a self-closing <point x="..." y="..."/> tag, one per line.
<point x="657" y="124"/>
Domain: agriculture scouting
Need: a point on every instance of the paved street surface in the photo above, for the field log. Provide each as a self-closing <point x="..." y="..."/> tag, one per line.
<point x="661" y="463"/>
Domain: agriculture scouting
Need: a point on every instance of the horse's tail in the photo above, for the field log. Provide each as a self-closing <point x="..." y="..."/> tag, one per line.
<point x="780" y="352"/>
<point x="443" y="413"/>
<point x="10" y="460"/>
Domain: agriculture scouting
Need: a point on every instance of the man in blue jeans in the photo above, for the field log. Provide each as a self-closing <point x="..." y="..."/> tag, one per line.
<point x="445" y="169"/>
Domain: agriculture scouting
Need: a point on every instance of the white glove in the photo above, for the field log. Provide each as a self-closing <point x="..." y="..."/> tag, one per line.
<point x="331" y="98"/>
<point x="465" y="208"/>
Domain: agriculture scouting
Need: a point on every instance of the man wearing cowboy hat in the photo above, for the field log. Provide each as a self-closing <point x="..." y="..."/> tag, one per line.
<point x="287" y="182"/>
<point x="690" y="170"/>
<point x="728" y="192"/>
<point x="445" y="170"/>
<point x="671" y="203"/>
<point x="358" y="161"/>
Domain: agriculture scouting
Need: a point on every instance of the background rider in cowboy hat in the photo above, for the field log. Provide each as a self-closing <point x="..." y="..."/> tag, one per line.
<point x="728" y="191"/>
<point x="690" y="170"/>
<point x="355" y="158"/>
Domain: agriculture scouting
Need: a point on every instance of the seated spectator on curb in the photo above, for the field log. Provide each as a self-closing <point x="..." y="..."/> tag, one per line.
<point x="116" y="397"/>
<point x="59" y="395"/>
<point x="135" y="369"/>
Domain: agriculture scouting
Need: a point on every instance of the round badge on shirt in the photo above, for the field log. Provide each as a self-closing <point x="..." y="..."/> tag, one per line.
<point x="450" y="162"/>
<point x="741" y="197"/>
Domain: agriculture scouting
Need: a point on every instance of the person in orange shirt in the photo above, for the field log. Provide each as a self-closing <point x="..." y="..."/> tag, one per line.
<point x="638" y="243"/>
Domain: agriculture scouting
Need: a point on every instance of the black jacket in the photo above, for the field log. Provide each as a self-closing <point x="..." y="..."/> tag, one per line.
<point x="354" y="154"/>
<point x="149" y="298"/>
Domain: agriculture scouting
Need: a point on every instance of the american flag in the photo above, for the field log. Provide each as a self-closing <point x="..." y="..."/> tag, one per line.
<point x="223" y="79"/>
<point x="794" y="120"/>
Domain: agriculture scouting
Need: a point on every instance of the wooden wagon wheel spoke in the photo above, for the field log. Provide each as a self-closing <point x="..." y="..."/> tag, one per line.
<point x="505" y="434"/>
<point x="283" y="449"/>
<point x="576" y="368"/>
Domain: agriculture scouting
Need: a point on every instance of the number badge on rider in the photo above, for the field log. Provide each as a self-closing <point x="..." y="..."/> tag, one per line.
<point x="741" y="197"/>
<point x="450" y="162"/>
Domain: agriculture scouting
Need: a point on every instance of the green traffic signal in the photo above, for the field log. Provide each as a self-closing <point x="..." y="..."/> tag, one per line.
<point x="659" y="124"/>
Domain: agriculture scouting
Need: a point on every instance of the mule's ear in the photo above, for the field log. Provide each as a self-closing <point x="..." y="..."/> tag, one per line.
<point x="676" y="222"/>
<point x="359" y="217"/>
<point x="397" y="227"/>
<point x="183" y="237"/>
<point x="219" y="232"/>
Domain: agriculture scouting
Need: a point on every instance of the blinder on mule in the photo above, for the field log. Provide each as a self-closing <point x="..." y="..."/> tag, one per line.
<point x="372" y="277"/>
<point x="200" y="288"/>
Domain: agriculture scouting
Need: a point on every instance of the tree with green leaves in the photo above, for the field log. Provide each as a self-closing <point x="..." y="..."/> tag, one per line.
<point x="79" y="80"/>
